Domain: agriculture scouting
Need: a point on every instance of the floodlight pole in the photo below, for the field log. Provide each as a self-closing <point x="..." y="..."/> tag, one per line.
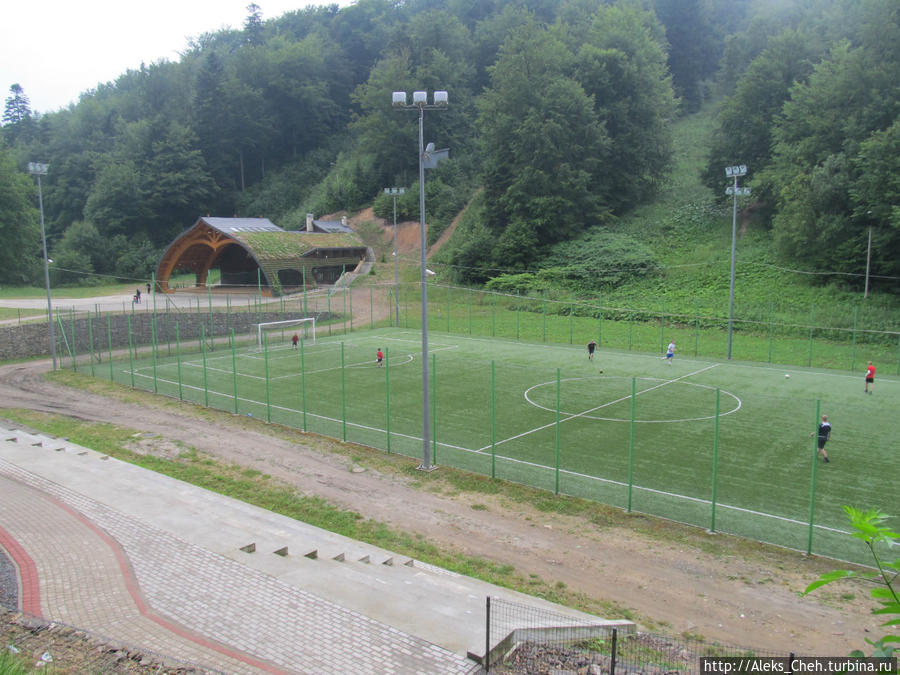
<point x="420" y="103"/>
<point x="36" y="169"/>
<point x="868" y="262"/>
<point x="396" y="192"/>
<point x="734" y="171"/>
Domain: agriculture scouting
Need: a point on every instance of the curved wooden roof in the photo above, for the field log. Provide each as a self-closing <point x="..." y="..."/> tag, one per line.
<point x="270" y="248"/>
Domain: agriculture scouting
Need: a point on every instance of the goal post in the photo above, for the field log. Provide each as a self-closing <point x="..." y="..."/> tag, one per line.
<point x="282" y="332"/>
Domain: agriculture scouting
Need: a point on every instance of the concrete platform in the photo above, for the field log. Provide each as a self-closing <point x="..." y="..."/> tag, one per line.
<point x="158" y="563"/>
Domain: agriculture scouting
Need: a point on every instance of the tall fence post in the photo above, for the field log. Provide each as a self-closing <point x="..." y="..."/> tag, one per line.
<point x="74" y="341"/>
<point x="898" y="353"/>
<point x="493" y="420"/>
<point x="234" y="372"/>
<point x="812" y="321"/>
<point x="387" y="396"/>
<point x="434" y="407"/>
<point x="600" y="323"/>
<point x="662" y="325"/>
<point x="487" y="636"/>
<point x="613" y="648"/>
<point x="544" y="315"/>
<point x="715" y="467"/>
<point x="153" y="354"/>
<point x="178" y="360"/>
<point x="493" y="314"/>
<point x="303" y="382"/>
<point x="853" y="349"/>
<point x="771" y="329"/>
<point x="131" y="351"/>
<point x="812" y="480"/>
<point x="631" y="443"/>
<point x="203" y="359"/>
<point x="517" y="320"/>
<point x="630" y="327"/>
<point x="343" y="398"/>
<point x="109" y="346"/>
<point x="266" y="362"/>
<point x="556" y="436"/>
<point x="91" y="341"/>
<point x="697" y="329"/>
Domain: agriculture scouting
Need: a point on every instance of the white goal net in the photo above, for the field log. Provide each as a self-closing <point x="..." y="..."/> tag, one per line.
<point x="278" y="334"/>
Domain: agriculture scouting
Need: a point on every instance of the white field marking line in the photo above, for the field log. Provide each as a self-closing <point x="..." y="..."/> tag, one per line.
<point x="195" y="364"/>
<point x="620" y="419"/>
<point x="325" y="418"/>
<point x="786" y="368"/>
<point x="590" y="410"/>
<point x="514" y="460"/>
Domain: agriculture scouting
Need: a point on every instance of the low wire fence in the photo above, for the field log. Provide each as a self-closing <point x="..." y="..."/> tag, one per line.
<point x="529" y="640"/>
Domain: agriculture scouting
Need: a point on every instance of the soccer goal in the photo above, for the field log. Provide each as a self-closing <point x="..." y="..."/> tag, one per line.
<point x="281" y="333"/>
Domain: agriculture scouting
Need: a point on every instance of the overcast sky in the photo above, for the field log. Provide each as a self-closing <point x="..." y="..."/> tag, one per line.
<point x="56" y="49"/>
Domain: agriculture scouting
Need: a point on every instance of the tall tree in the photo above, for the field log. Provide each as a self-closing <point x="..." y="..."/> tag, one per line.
<point x="693" y="53"/>
<point x="19" y="224"/>
<point x="253" y="24"/>
<point x="541" y="143"/>
<point x="18" y="107"/>
<point x="18" y="120"/>
<point x="747" y="118"/>
<point x="622" y="65"/>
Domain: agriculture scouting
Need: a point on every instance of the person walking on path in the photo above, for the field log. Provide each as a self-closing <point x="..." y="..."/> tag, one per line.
<point x="870" y="378"/>
<point x="137" y="296"/>
<point x="824" y="432"/>
<point x="591" y="347"/>
<point x="670" y="352"/>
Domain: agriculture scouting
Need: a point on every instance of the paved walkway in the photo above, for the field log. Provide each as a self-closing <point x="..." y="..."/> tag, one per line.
<point x="138" y="557"/>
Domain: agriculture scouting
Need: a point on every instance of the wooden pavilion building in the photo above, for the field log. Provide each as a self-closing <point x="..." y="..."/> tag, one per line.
<point x="255" y="253"/>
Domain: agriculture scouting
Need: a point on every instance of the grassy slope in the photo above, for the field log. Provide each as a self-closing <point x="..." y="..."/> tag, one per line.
<point x="689" y="229"/>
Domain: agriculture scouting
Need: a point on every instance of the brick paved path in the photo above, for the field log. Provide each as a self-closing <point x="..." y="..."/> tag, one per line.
<point x="88" y="565"/>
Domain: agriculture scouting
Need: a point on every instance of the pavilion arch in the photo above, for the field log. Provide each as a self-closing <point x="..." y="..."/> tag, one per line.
<point x="254" y="253"/>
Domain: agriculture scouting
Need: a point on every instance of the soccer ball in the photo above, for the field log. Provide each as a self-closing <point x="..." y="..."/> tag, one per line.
<point x="787" y="376"/>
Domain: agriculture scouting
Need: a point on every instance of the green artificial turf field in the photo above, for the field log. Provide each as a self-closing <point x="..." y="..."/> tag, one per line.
<point x="723" y="445"/>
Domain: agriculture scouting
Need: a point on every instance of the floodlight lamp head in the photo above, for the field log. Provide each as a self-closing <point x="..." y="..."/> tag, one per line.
<point x="420" y="98"/>
<point x="440" y="98"/>
<point x="398" y="99"/>
<point x="429" y="148"/>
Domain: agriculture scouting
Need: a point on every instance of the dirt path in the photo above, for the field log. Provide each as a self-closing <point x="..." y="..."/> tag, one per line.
<point x="691" y="583"/>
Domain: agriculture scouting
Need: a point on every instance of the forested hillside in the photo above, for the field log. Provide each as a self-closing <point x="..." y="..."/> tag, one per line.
<point x="561" y="111"/>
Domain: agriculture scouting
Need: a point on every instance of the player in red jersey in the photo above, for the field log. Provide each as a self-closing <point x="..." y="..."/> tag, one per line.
<point x="870" y="378"/>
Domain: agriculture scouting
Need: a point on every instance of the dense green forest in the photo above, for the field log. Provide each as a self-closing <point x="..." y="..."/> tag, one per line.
<point x="559" y="126"/>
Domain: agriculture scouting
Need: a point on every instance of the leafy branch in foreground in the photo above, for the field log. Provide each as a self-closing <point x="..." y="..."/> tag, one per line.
<point x="869" y="528"/>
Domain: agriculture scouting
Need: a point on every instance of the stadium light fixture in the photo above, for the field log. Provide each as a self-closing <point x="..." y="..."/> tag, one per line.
<point x="420" y="104"/>
<point x="37" y="169"/>
<point x="396" y="192"/>
<point x="734" y="172"/>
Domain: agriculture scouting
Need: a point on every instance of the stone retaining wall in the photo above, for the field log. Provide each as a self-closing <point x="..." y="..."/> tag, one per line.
<point x="111" y="331"/>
